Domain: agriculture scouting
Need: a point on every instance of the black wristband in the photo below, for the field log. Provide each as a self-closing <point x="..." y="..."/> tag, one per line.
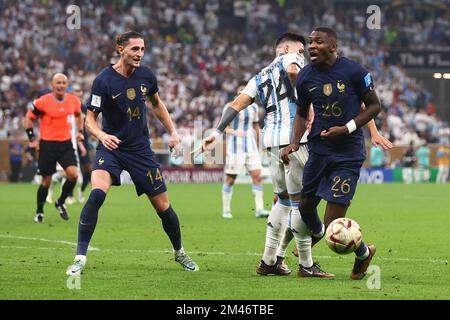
<point x="30" y="134"/>
<point x="228" y="115"/>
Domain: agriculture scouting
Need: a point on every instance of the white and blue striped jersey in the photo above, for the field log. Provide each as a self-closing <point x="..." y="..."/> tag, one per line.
<point x="243" y="121"/>
<point x="278" y="96"/>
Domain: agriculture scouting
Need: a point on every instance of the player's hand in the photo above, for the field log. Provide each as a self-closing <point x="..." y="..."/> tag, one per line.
<point x="80" y="136"/>
<point x="334" y="132"/>
<point x="34" y="144"/>
<point x="175" y="145"/>
<point x="287" y="151"/>
<point x="110" y="142"/>
<point x="208" y="144"/>
<point x="34" y="147"/>
<point x="380" y="141"/>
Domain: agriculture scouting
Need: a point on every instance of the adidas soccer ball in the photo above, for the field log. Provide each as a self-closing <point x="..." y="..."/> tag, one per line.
<point x="343" y="236"/>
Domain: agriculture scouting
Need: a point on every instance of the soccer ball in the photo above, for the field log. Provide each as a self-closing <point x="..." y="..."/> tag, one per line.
<point x="343" y="236"/>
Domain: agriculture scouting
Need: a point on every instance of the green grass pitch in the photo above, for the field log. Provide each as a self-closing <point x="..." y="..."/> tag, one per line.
<point x="408" y="223"/>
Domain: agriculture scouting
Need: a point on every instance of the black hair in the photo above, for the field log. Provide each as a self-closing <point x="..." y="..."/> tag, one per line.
<point x="290" y="36"/>
<point x="124" y="38"/>
<point x="330" y="32"/>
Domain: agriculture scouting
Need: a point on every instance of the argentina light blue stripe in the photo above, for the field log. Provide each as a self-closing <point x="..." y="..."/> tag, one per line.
<point x="275" y="114"/>
<point x="234" y="139"/>
<point x="246" y="121"/>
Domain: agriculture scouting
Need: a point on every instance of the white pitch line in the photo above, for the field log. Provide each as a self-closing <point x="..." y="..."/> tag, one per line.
<point x="9" y="236"/>
<point x="236" y="254"/>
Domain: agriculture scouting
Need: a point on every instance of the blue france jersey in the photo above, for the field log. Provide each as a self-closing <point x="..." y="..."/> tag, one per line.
<point x="275" y="92"/>
<point x="121" y="101"/>
<point x="336" y="95"/>
<point x="243" y="122"/>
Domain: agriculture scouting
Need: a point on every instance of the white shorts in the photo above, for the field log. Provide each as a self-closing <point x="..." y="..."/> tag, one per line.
<point x="235" y="163"/>
<point x="287" y="178"/>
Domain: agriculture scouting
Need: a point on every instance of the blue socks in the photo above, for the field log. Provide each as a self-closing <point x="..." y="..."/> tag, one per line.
<point x="88" y="220"/>
<point x="362" y="252"/>
<point x="171" y="226"/>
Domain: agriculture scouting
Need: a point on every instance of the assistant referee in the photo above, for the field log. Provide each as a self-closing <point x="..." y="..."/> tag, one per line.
<point x="55" y="140"/>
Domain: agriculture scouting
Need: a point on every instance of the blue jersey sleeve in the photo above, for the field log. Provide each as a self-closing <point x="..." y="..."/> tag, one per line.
<point x="303" y="100"/>
<point x="98" y="96"/>
<point x="361" y="79"/>
<point x="153" y="83"/>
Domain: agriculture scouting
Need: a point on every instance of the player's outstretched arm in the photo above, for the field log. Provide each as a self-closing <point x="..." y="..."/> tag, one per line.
<point x="110" y="142"/>
<point x="241" y="102"/>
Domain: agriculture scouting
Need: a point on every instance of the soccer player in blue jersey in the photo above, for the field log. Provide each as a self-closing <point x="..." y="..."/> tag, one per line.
<point x="336" y="87"/>
<point x="120" y="93"/>
<point x="274" y="85"/>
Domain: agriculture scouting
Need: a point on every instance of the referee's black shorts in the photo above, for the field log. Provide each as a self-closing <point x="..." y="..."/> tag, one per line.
<point x="51" y="152"/>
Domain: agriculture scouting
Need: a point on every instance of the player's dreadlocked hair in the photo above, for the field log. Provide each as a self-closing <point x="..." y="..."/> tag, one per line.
<point x="290" y="36"/>
<point x="124" y="38"/>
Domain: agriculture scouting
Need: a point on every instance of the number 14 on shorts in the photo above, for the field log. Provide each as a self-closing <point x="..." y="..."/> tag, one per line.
<point x="154" y="175"/>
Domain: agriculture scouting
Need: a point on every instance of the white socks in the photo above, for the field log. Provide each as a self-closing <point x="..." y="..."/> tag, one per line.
<point x="81" y="258"/>
<point x="302" y="236"/>
<point x="227" y="192"/>
<point x="276" y="225"/>
<point x="258" y="195"/>
<point x="287" y="237"/>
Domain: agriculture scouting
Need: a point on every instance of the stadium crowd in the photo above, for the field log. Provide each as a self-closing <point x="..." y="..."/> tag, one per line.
<point x="201" y="49"/>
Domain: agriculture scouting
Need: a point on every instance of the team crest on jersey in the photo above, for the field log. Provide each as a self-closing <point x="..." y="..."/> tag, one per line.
<point x="327" y="89"/>
<point x="131" y="94"/>
<point x="341" y="86"/>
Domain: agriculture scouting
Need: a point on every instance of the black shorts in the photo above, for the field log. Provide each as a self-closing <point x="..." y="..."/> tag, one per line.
<point x="51" y="152"/>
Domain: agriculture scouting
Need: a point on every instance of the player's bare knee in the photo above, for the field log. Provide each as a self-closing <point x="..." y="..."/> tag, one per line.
<point x="257" y="179"/>
<point x="230" y="179"/>
<point x="160" y="202"/>
<point x="46" y="181"/>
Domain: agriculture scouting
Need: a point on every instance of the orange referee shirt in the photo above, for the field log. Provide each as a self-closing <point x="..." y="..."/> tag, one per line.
<point x="53" y="113"/>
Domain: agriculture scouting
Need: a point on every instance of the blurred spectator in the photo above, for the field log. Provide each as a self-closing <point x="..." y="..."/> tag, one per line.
<point x="15" y="157"/>
<point x="423" y="156"/>
<point x="409" y="158"/>
<point x="201" y="49"/>
<point x="443" y="159"/>
<point x="423" y="161"/>
<point x="377" y="157"/>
